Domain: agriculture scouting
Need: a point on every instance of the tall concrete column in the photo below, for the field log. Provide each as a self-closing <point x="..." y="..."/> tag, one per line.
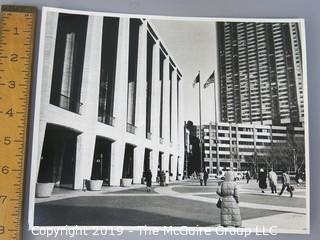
<point x="174" y="110"/>
<point x="174" y="124"/>
<point x="140" y="104"/>
<point x="141" y="82"/>
<point x="154" y="154"/>
<point x="41" y="134"/>
<point x="181" y="128"/>
<point x="138" y="160"/>
<point x="155" y="109"/>
<point x="117" y="158"/>
<point x="120" y="103"/>
<point x="45" y="86"/>
<point x="90" y="100"/>
<point x="166" y="102"/>
<point x="84" y="158"/>
<point x="156" y="85"/>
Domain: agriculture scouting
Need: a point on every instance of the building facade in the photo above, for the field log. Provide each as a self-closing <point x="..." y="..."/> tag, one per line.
<point x="240" y="146"/>
<point x="260" y="73"/>
<point x="111" y="103"/>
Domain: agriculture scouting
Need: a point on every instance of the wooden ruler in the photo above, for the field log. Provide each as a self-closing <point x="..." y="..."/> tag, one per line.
<point x="17" y="28"/>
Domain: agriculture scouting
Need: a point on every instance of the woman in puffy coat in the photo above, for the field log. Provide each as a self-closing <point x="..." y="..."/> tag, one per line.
<point x="262" y="179"/>
<point x="230" y="211"/>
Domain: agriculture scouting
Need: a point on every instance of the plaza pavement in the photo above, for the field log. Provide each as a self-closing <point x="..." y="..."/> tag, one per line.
<point x="182" y="203"/>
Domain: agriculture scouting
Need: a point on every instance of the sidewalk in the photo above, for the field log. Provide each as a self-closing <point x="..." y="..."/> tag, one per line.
<point x="63" y="193"/>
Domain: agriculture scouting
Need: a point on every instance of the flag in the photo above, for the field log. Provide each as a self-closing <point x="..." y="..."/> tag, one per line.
<point x="210" y="80"/>
<point x="196" y="80"/>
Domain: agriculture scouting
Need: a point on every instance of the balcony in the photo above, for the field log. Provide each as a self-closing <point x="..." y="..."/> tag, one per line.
<point x="67" y="103"/>
<point x="149" y="135"/>
<point x="107" y="119"/>
<point x="131" y="128"/>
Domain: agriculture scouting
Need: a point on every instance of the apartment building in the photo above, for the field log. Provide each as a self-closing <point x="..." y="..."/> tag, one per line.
<point x="260" y="73"/>
<point x="236" y="146"/>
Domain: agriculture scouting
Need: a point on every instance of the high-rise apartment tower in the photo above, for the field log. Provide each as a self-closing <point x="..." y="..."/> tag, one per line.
<point x="260" y="73"/>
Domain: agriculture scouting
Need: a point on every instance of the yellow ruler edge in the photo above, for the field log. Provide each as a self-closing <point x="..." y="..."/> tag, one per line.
<point x="17" y="30"/>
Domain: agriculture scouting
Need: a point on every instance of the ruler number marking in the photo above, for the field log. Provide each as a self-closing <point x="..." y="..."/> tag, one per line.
<point x="3" y="199"/>
<point x="15" y="31"/>
<point x="10" y="112"/>
<point x="4" y="170"/>
<point x="7" y="140"/>
<point x="2" y="230"/>
<point x="11" y="84"/>
<point x="14" y="57"/>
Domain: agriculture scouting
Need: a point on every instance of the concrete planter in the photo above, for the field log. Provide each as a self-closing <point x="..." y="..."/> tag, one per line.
<point x="125" y="182"/>
<point x="95" y="185"/>
<point x="44" y="190"/>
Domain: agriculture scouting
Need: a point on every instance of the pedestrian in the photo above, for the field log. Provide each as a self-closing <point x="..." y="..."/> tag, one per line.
<point x="205" y="177"/>
<point x="167" y="178"/>
<point x="298" y="177"/>
<point x="286" y="184"/>
<point x="148" y="176"/>
<point x="262" y="179"/>
<point x="229" y="195"/>
<point x="201" y="178"/>
<point x="158" y="176"/>
<point x="162" y="178"/>
<point x="248" y="176"/>
<point x="273" y="181"/>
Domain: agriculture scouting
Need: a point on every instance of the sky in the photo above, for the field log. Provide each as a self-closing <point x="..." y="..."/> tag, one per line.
<point x="193" y="46"/>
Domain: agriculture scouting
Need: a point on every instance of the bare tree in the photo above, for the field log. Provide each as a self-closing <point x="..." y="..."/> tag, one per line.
<point x="289" y="154"/>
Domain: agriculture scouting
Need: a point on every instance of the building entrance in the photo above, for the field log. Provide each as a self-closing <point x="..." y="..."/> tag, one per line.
<point x="127" y="171"/>
<point x="101" y="160"/>
<point x="58" y="156"/>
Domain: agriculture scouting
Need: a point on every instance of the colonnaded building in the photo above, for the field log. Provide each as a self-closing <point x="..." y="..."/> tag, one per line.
<point x="111" y="102"/>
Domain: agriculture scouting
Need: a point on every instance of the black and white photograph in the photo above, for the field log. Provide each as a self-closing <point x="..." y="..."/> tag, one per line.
<point x="170" y="121"/>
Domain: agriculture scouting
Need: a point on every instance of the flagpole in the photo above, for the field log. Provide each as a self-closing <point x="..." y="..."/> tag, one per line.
<point x="216" y="124"/>
<point x="200" y="130"/>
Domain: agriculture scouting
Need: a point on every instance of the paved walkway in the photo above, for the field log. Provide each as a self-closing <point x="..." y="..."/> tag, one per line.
<point x="194" y="196"/>
<point x="263" y="209"/>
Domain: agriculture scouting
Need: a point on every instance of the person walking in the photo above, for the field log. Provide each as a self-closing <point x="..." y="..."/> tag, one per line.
<point x="205" y="177"/>
<point x="148" y="176"/>
<point x="248" y="176"/>
<point x="262" y="179"/>
<point x="167" y="178"/>
<point x="229" y="195"/>
<point x="201" y="177"/>
<point x="162" y="178"/>
<point x="273" y="181"/>
<point x="286" y="184"/>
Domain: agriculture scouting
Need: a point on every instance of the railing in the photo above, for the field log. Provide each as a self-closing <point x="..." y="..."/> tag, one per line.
<point x="131" y="128"/>
<point x="107" y="119"/>
<point x="149" y="135"/>
<point x="161" y="140"/>
<point x="68" y="103"/>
